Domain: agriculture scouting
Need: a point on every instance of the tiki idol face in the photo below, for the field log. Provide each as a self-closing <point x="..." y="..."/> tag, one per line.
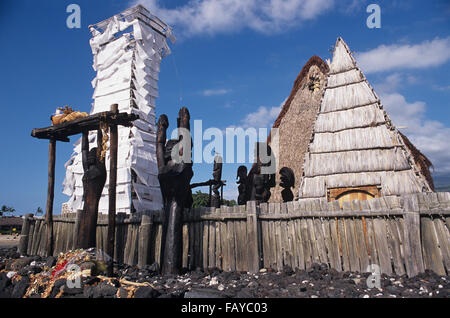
<point x="287" y="178"/>
<point x="242" y="173"/>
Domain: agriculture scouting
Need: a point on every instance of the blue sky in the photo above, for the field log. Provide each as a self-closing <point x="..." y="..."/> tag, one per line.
<point x="233" y="64"/>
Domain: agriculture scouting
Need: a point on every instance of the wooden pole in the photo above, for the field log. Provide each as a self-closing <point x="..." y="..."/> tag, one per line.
<point x="210" y="196"/>
<point x="253" y="252"/>
<point x="145" y="232"/>
<point x="113" y="143"/>
<point x="50" y="195"/>
<point x="23" y="243"/>
<point x="76" y="228"/>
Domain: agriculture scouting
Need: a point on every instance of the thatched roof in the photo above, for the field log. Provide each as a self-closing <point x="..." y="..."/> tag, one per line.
<point x="11" y="221"/>
<point x="298" y="83"/>
<point x="354" y="142"/>
<point x="420" y="159"/>
<point x="296" y="120"/>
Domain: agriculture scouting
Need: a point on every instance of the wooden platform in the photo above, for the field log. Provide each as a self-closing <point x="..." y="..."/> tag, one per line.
<point x="61" y="132"/>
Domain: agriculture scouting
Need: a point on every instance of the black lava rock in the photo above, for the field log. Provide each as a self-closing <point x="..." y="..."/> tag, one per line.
<point x="153" y="269"/>
<point x="91" y="280"/>
<point x="20" y="287"/>
<point x="7" y="292"/>
<point x="287" y="270"/>
<point x="20" y="263"/>
<point x="50" y="261"/>
<point x="24" y="271"/>
<point x="12" y="253"/>
<point x="146" y="292"/>
<point x="245" y="293"/>
<point x="4" y="281"/>
<point x="178" y="294"/>
<point x="60" y="283"/>
<point x="204" y="293"/>
<point x="72" y="290"/>
<point x="35" y="269"/>
<point x="104" y="290"/>
<point x="88" y="291"/>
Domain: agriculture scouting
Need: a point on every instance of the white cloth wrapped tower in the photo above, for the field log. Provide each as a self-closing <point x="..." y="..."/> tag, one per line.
<point x="127" y="49"/>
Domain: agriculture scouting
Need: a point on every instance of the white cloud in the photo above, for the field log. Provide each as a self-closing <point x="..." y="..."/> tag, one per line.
<point x="393" y="57"/>
<point x="403" y="113"/>
<point x="264" y="117"/>
<point x="429" y="136"/>
<point x="390" y="84"/>
<point x="225" y="16"/>
<point x="213" y="92"/>
<point x="441" y="88"/>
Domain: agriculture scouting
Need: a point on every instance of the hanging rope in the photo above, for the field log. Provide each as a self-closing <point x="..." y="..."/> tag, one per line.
<point x="105" y="129"/>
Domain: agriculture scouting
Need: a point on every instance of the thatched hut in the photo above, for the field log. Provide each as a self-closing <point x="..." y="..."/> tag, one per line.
<point x="355" y="151"/>
<point x="296" y="119"/>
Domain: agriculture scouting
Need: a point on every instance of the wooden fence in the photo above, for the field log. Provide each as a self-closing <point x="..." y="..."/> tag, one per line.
<point x="405" y="234"/>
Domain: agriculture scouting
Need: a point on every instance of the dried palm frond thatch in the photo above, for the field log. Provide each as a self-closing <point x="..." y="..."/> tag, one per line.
<point x="354" y="143"/>
<point x="296" y="119"/>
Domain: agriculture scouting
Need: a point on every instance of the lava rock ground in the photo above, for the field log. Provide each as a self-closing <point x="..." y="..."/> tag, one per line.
<point x="317" y="282"/>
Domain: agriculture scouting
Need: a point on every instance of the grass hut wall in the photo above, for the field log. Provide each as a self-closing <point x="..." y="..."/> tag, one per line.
<point x="355" y="150"/>
<point x="296" y="119"/>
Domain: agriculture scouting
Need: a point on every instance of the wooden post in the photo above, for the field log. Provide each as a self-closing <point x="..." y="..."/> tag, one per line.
<point x="113" y="143"/>
<point x="210" y="195"/>
<point x="412" y="243"/>
<point x="23" y="243"/>
<point x="50" y="195"/>
<point x="252" y="237"/>
<point x="76" y="228"/>
<point x="119" y="240"/>
<point x="145" y="231"/>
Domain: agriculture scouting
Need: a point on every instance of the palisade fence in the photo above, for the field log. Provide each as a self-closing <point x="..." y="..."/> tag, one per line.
<point x="403" y="235"/>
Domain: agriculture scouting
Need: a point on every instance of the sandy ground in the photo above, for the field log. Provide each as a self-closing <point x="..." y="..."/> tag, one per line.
<point x="9" y="240"/>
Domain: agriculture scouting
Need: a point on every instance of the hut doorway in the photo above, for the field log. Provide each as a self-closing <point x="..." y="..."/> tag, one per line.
<point x="350" y="194"/>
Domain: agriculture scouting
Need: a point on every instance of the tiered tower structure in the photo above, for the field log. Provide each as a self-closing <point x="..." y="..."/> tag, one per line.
<point x="128" y="49"/>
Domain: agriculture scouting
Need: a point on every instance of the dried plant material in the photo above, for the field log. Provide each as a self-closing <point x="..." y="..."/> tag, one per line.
<point x="354" y="143"/>
<point x="40" y="281"/>
<point x="126" y="282"/>
<point x="145" y="284"/>
<point x="16" y="277"/>
<point x="131" y="291"/>
<point x="296" y="121"/>
<point x="68" y="114"/>
<point x="105" y="138"/>
<point x="73" y="116"/>
<point x="46" y="280"/>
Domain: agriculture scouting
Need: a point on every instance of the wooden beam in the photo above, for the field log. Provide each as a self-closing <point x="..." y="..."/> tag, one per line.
<point x="113" y="144"/>
<point x="207" y="183"/>
<point x="62" y="131"/>
<point x="50" y="195"/>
